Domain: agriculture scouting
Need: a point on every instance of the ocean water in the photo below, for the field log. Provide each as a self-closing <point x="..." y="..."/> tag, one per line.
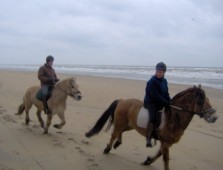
<point x="206" y="76"/>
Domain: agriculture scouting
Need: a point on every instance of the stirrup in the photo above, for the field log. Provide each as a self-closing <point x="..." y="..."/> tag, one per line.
<point x="148" y="143"/>
<point x="47" y="111"/>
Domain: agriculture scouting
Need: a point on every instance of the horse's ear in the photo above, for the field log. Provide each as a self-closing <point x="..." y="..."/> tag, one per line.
<point x="74" y="78"/>
<point x="199" y="86"/>
<point x="196" y="89"/>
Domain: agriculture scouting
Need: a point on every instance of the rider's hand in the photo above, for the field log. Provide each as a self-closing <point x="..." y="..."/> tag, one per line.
<point x="167" y="105"/>
<point x="56" y="80"/>
<point x="51" y="81"/>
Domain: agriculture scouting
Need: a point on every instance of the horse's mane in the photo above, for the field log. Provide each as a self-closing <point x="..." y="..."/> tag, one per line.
<point x="69" y="79"/>
<point x="182" y="93"/>
<point x="198" y="90"/>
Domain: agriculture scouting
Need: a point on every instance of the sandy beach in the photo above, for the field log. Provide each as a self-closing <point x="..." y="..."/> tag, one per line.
<point x="27" y="148"/>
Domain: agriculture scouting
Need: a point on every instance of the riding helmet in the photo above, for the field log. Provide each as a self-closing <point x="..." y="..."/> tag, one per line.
<point x="49" y="58"/>
<point x="161" y="66"/>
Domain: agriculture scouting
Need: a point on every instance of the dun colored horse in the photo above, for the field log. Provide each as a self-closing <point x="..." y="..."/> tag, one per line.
<point x="176" y="118"/>
<point x="57" y="102"/>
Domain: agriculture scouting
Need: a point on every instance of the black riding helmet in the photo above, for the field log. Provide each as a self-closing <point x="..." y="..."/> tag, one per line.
<point x="49" y="58"/>
<point x="161" y="66"/>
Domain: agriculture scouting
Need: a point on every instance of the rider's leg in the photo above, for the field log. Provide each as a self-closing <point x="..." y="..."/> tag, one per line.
<point x="44" y="99"/>
<point x="150" y="126"/>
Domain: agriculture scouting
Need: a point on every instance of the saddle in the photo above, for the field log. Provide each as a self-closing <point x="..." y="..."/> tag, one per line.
<point x="39" y="94"/>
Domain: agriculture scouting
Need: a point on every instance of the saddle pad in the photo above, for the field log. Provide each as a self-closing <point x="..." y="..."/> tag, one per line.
<point x="143" y="118"/>
<point x="39" y="95"/>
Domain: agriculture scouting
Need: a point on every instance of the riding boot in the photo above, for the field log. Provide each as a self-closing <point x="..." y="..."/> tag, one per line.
<point x="150" y="127"/>
<point x="45" y="105"/>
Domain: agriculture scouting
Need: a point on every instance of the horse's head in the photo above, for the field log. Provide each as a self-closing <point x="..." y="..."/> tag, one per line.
<point x="71" y="88"/>
<point x="203" y="107"/>
<point x="193" y="100"/>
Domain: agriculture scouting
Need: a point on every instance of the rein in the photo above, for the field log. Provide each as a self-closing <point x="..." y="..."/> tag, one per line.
<point x="201" y="114"/>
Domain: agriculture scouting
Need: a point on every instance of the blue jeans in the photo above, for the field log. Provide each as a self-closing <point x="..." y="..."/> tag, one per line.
<point x="45" y="90"/>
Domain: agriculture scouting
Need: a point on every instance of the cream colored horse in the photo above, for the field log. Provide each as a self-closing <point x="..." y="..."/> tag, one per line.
<point x="57" y="102"/>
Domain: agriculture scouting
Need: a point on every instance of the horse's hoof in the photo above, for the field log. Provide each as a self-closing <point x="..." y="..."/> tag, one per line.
<point x="107" y="150"/>
<point x="146" y="162"/>
<point x="42" y="125"/>
<point x="117" y="143"/>
<point x="56" y="126"/>
<point x="45" y="131"/>
<point x="27" y="121"/>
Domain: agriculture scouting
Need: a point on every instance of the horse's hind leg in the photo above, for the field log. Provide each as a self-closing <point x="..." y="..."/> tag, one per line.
<point x="118" y="142"/>
<point x="116" y="133"/>
<point x="38" y="114"/>
<point x="27" y="108"/>
<point x="62" y="118"/>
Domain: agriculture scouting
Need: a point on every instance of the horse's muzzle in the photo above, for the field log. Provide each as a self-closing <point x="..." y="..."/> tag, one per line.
<point x="210" y="115"/>
<point x="77" y="96"/>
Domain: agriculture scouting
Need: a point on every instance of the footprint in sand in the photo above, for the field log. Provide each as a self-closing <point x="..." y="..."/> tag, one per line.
<point x="72" y="139"/>
<point x="92" y="164"/>
<point x="80" y="150"/>
<point x="2" y="110"/>
<point x="9" y="118"/>
<point x="85" y="142"/>
<point x="4" y="167"/>
<point x="90" y="158"/>
<point x="58" y="144"/>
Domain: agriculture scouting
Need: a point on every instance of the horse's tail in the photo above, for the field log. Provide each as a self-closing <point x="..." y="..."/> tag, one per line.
<point x="103" y="119"/>
<point x="21" y="108"/>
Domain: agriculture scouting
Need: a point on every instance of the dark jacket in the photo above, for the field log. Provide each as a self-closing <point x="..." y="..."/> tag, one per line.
<point x="157" y="93"/>
<point x="47" y="75"/>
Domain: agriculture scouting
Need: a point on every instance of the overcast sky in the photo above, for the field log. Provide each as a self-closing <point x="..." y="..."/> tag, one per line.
<point x="114" y="32"/>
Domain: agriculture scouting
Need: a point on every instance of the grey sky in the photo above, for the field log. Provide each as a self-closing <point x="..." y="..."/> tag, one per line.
<point x="117" y="32"/>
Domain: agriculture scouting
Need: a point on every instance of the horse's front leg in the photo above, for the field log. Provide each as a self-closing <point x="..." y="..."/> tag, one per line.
<point x="150" y="160"/>
<point x="63" y="122"/>
<point x="49" y="118"/>
<point x="166" y="158"/>
<point x="38" y="114"/>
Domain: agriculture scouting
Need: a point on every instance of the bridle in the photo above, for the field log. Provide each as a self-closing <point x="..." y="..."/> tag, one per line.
<point x="200" y="102"/>
<point x="70" y="92"/>
<point x="202" y="114"/>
